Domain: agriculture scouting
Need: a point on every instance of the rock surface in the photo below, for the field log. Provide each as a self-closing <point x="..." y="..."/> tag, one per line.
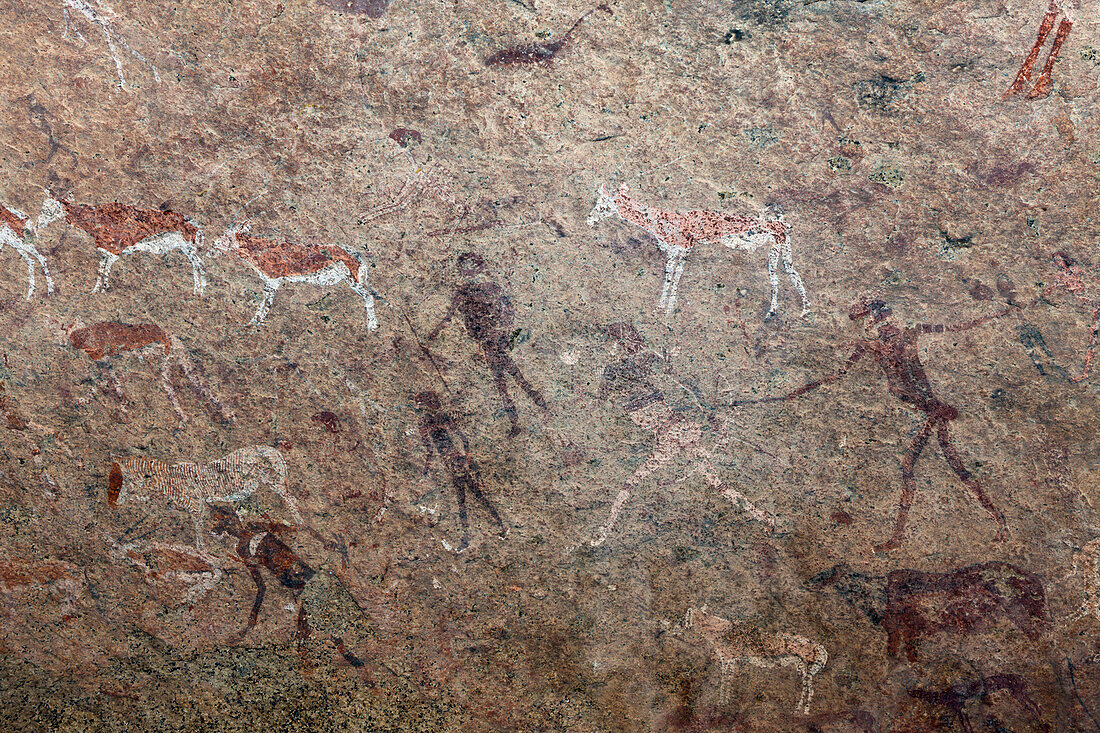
<point x="348" y="301"/>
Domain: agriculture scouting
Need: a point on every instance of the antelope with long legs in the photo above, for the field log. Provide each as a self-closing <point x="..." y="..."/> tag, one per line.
<point x="120" y="229"/>
<point x="19" y="232"/>
<point x="279" y="262"/>
<point x="734" y="644"/>
<point x="678" y="232"/>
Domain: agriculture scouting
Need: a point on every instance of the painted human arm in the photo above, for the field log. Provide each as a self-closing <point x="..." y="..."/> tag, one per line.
<point x="856" y="355"/>
<point x="965" y="325"/>
<point x="446" y="318"/>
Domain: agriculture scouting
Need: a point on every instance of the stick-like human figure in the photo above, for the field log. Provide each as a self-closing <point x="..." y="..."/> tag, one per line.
<point x="1043" y="85"/>
<point x="895" y="350"/>
<point x="488" y="316"/>
<point x="439" y="430"/>
<point x="633" y="379"/>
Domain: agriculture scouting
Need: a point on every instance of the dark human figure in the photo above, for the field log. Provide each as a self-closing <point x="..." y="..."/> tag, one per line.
<point x="259" y="547"/>
<point x="895" y="350"/>
<point x="438" y="430"/>
<point x="488" y="315"/>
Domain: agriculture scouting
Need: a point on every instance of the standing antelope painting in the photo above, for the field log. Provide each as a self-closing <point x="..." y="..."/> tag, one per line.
<point x="279" y="262"/>
<point x="19" y="233"/>
<point x="678" y="232"/>
<point x="733" y="644"/>
<point x="120" y="229"/>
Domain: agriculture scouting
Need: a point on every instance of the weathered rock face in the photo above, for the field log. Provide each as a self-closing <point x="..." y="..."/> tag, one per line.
<point x="674" y="366"/>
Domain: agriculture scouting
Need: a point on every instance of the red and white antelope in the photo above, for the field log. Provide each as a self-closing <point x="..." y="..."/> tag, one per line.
<point x="19" y="233"/>
<point x="677" y="232"/>
<point x="279" y="262"/>
<point x="120" y="229"/>
<point x="734" y="643"/>
<point x="191" y="486"/>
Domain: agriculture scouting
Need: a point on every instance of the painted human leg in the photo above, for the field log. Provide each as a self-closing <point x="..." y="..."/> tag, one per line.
<point x="1024" y="74"/>
<point x="773" y="278"/>
<point x="30" y="271"/>
<point x="796" y="279"/>
<point x="666" y="450"/>
<point x="965" y="476"/>
<point x="1045" y="82"/>
<point x="475" y="488"/>
<point x="671" y="306"/>
<point x="460" y="481"/>
<point x="166" y="383"/>
<point x="496" y="365"/>
<point x="513" y="369"/>
<point x="738" y="499"/>
<point x="908" y="485"/>
<point x="198" y="270"/>
<point x="670" y="268"/>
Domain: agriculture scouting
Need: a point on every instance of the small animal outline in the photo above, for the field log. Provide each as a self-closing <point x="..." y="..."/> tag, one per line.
<point x="19" y="233"/>
<point x="120" y="229"/>
<point x="955" y="697"/>
<point x="733" y="644"/>
<point x="678" y="232"/>
<point x="279" y="262"/>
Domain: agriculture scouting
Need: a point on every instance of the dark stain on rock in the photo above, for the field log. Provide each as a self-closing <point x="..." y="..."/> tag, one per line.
<point x="883" y="93"/>
<point x="369" y="8"/>
<point x="403" y="136"/>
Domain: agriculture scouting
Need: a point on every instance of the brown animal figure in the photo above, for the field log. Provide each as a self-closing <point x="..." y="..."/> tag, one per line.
<point x="120" y="229"/>
<point x="278" y="262"/>
<point x="488" y="316"/>
<point x="110" y="338"/>
<point x="320" y="594"/>
<point x="895" y="350"/>
<point x="962" y="602"/>
<point x="955" y="697"/>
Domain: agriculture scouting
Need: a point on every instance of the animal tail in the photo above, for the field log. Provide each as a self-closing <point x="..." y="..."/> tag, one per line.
<point x="281" y="487"/>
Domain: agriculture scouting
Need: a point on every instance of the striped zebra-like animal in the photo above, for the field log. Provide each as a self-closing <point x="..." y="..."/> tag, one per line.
<point x="190" y="486"/>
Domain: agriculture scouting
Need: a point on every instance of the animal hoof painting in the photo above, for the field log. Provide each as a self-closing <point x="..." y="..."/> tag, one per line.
<point x="543" y="366"/>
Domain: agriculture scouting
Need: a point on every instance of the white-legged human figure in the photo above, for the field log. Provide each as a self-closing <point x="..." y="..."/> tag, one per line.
<point x="678" y="232"/>
<point x="279" y="262"/>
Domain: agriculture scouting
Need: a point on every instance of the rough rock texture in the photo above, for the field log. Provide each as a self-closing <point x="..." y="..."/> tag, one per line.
<point x="650" y="545"/>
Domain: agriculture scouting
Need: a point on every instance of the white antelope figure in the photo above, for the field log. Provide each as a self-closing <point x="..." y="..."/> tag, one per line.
<point x="279" y="262"/>
<point x="120" y="229"/>
<point x="677" y="232"/>
<point x="191" y="486"/>
<point x="736" y="643"/>
<point x="18" y="232"/>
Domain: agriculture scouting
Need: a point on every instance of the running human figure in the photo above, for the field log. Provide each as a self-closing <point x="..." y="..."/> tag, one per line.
<point x="895" y="351"/>
<point x="438" y="430"/>
<point x="633" y="379"/>
<point x="488" y="315"/>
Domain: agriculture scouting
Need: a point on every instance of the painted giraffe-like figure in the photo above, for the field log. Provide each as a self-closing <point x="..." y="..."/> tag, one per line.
<point x="677" y="233"/>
